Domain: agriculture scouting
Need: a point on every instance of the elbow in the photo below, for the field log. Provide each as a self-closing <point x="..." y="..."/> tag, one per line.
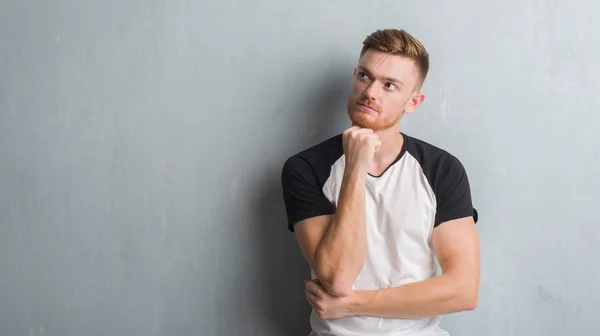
<point x="340" y="290"/>
<point x="468" y="303"/>
<point x="337" y="287"/>
<point x="467" y="299"/>
<point x="334" y="281"/>
<point x="464" y="292"/>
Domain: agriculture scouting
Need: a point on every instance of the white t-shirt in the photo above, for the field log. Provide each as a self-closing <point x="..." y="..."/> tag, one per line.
<point x="424" y="187"/>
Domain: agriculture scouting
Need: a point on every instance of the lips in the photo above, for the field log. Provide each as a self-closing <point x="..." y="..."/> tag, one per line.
<point x="367" y="107"/>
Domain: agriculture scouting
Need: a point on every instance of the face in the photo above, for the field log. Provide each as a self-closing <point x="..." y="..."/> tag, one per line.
<point x="384" y="87"/>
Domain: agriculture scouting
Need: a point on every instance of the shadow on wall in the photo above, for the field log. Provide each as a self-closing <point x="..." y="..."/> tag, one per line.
<point x="284" y="268"/>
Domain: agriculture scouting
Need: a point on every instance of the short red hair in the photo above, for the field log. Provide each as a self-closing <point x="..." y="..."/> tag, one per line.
<point x="401" y="43"/>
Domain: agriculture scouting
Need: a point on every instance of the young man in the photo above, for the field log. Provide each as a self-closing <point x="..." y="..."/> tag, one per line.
<point x="373" y="207"/>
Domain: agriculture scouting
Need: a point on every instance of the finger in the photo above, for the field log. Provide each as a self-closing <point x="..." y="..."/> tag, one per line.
<point x="353" y="134"/>
<point x="376" y="145"/>
<point x="350" y="129"/>
<point x="348" y="132"/>
<point x="357" y="132"/>
<point x="313" y="287"/>
<point x="311" y="303"/>
<point x="368" y="136"/>
<point x="367" y="139"/>
<point x="312" y="298"/>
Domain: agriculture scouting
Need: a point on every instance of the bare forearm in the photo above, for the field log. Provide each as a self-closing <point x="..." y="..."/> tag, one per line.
<point x="340" y="255"/>
<point x="437" y="296"/>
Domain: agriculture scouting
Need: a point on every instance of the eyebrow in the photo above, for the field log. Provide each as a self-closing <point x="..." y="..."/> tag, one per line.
<point x="389" y="79"/>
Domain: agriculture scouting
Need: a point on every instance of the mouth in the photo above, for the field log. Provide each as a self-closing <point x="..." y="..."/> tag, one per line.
<point x="367" y="107"/>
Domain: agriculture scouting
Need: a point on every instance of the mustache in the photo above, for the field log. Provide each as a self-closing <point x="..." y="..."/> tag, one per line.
<point x="369" y="103"/>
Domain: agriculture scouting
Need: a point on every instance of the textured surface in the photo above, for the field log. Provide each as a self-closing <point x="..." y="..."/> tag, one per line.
<point x="141" y="144"/>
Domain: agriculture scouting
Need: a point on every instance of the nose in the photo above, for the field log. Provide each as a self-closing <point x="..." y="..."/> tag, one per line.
<point x="371" y="91"/>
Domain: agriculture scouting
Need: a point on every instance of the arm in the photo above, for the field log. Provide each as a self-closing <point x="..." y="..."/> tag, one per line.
<point x="333" y="241"/>
<point x="456" y="245"/>
<point x="335" y="245"/>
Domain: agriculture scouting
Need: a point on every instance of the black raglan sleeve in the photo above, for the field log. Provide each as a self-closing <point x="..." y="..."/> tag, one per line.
<point x="453" y="192"/>
<point x="302" y="192"/>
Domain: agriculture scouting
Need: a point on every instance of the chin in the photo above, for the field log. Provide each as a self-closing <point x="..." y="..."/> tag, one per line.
<point x="364" y="120"/>
<point x="357" y="118"/>
<point x="361" y="117"/>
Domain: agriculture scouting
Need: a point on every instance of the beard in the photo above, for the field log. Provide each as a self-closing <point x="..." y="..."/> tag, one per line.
<point x="376" y="121"/>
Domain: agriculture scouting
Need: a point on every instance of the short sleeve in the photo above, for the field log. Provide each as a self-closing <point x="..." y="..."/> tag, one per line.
<point x="453" y="193"/>
<point x="302" y="193"/>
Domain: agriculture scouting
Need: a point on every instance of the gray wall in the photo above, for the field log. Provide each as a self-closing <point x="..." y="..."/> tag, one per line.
<point x="141" y="145"/>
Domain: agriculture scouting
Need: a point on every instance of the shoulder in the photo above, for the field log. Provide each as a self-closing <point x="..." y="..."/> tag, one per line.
<point x="435" y="161"/>
<point x="448" y="179"/>
<point x="316" y="159"/>
<point x="302" y="178"/>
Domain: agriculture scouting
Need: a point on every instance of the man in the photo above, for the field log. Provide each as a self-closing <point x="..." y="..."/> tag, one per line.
<point x="373" y="207"/>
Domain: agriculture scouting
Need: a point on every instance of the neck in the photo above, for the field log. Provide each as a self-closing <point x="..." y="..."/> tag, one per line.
<point x="391" y="145"/>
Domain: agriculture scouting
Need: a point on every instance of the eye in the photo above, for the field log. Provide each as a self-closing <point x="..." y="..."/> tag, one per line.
<point x="363" y="75"/>
<point x="391" y="86"/>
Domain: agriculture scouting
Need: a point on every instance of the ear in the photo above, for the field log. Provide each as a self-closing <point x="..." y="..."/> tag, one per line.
<point x="415" y="100"/>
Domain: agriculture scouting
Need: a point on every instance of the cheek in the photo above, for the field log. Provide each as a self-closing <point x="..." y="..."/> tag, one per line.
<point x="357" y="87"/>
<point x="404" y="101"/>
<point x="394" y="104"/>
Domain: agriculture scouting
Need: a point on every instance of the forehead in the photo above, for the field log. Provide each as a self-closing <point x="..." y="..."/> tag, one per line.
<point x="381" y="64"/>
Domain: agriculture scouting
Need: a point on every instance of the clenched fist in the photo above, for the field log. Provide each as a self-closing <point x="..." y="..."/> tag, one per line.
<point x="360" y="145"/>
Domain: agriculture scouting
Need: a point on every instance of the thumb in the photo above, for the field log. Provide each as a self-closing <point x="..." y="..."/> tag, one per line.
<point x="377" y="145"/>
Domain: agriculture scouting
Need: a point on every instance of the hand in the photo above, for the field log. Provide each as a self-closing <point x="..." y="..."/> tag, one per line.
<point x="360" y="145"/>
<point x="326" y="305"/>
